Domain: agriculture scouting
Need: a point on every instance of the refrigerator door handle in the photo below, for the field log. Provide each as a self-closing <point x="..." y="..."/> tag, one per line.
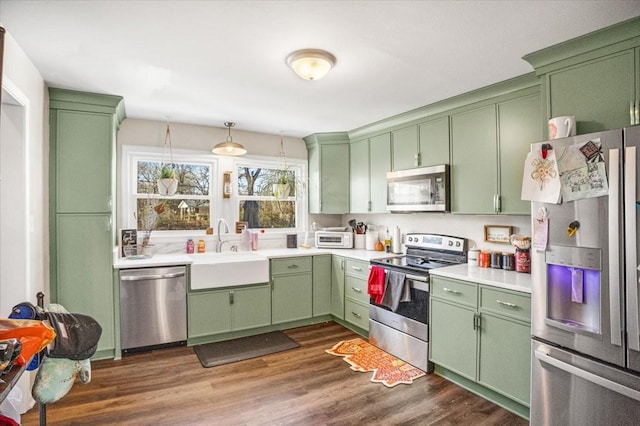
<point x="586" y="375"/>
<point x="614" y="247"/>
<point x="630" y="232"/>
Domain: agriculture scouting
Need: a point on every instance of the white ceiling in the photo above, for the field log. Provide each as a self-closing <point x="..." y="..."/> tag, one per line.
<point x="207" y="62"/>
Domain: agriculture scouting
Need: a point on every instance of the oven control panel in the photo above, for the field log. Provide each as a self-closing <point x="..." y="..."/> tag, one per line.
<point x="436" y="242"/>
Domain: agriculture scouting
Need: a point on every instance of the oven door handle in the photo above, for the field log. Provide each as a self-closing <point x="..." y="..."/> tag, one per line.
<point x="417" y="278"/>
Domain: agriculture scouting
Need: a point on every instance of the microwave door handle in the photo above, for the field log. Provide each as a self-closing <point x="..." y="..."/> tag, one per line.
<point x="633" y="327"/>
<point x="614" y="247"/>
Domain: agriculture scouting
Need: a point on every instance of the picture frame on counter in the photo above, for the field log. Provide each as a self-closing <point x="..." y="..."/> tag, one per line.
<point x="497" y="234"/>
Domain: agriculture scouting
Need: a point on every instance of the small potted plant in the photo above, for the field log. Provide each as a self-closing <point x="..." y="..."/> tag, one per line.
<point x="167" y="183"/>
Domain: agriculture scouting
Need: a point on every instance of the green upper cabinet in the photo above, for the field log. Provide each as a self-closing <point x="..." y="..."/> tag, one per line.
<point x="489" y="143"/>
<point x="595" y="77"/>
<point x="474" y="161"/>
<point x="370" y="162"/>
<point x="434" y="142"/>
<point x="518" y="127"/>
<point x="405" y="148"/>
<point x="328" y="156"/>
<point x="359" y="177"/>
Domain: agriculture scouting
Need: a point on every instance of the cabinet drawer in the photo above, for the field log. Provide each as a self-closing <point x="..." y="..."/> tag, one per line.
<point x="291" y="265"/>
<point x="356" y="288"/>
<point x="460" y="292"/>
<point x="357" y="268"/>
<point x="516" y="305"/>
<point x="357" y="314"/>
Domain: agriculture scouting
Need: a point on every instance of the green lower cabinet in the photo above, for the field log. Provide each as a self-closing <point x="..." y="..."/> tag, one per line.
<point x="505" y="353"/>
<point x="356" y="300"/>
<point x="479" y="337"/>
<point x="321" y="285"/>
<point x="222" y="311"/>
<point x="291" y="289"/>
<point x="337" y="287"/>
<point x="453" y="338"/>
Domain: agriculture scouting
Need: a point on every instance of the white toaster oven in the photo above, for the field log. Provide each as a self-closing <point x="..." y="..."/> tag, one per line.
<point x="334" y="239"/>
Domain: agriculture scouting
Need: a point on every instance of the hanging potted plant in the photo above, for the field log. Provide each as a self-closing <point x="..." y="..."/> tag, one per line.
<point x="167" y="183"/>
<point x="284" y="181"/>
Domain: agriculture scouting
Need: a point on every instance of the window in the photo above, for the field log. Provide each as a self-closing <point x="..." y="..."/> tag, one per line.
<point x="189" y="209"/>
<point x="198" y="201"/>
<point x="270" y="197"/>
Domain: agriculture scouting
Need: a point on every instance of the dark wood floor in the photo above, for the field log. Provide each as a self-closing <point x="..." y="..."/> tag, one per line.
<point x="303" y="386"/>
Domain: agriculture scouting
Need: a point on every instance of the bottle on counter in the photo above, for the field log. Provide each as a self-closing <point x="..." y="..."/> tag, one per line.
<point x="201" y="246"/>
<point x="190" y="246"/>
<point x="387" y="241"/>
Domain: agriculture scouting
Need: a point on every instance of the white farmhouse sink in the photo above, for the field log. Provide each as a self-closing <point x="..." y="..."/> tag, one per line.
<point x="215" y="270"/>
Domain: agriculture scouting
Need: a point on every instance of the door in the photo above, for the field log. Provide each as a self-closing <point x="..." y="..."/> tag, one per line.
<point x="578" y="279"/>
<point x="567" y="389"/>
<point x="632" y="249"/>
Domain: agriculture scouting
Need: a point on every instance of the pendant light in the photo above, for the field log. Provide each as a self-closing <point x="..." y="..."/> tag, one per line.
<point x="311" y="64"/>
<point x="229" y="147"/>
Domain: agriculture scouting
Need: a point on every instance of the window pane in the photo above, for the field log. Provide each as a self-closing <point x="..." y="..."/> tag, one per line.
<point x="259" y="181"/>
<point x="268" y="214"/>
<point x="176" y="215"/>
<point x="193" y="179"/>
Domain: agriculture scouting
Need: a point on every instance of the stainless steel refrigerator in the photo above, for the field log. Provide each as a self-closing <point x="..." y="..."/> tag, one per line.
<point x="585" y="322"/>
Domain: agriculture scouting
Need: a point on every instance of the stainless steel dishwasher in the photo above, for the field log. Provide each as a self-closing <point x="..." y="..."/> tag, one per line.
<point x="153" y="308"/>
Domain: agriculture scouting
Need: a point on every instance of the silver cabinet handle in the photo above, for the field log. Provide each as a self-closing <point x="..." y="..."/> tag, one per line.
<point x="357" y="315"/>
<point x="507" y="304"/>
<point x="292" y="266"/>
<point x="614" y="247"/>
<point x="597" y="380"/>
<point x="357" y="290"/>
<point x="356" y="268"/>
<point x="448" y="290"/>
<point x="632" y="113"/>
<point x="231" y="297"/>
<point x="633" y="327"/>
<point x="150" y="276"/>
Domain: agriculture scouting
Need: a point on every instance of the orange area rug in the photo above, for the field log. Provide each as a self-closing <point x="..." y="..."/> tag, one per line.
<point x="388" y="370"/>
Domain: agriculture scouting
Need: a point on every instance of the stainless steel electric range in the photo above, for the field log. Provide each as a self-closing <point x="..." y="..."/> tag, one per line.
<point x="405" y="332"/>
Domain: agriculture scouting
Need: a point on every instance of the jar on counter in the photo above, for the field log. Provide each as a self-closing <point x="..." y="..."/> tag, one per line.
<point x="496" y="260"/>
<point x="484" y="261"/>
<point x="523" y="260"/>
<point x="190" y="246"/>
<point x="508" y="262"/>
<point x="201" y="246"/>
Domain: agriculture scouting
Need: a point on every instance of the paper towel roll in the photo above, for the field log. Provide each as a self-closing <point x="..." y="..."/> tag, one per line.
<point x="396" y="241"/>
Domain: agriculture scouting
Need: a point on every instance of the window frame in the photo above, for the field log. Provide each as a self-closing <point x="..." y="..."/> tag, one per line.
<point x="220" y="207"/>
<point x="132" y="154"/>
<point x="295" y="164"/>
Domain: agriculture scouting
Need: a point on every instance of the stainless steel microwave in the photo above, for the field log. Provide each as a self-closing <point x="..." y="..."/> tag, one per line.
<point x="424" y="189"/>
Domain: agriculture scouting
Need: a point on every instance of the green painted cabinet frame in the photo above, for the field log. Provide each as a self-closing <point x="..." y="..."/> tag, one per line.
<point x="83" y="128"/>
<point x="291" y="289"/>
<point x="370" y="162"/>
<point x="328" y="158"/>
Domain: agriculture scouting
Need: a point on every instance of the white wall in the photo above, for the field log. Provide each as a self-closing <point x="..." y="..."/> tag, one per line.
<point x="22" y="78"/>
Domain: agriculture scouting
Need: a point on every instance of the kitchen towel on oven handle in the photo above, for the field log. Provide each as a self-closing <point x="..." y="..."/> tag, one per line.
<point x="375" y="283"/>
<point x="396" y="290"/>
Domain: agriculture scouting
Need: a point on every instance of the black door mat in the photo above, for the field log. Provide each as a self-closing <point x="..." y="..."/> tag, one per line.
<point x="218" y="353"/>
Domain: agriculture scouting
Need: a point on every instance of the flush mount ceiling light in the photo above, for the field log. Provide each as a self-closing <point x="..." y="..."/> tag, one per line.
<point x="229" y="147"/>
<point x="311" y="64"/>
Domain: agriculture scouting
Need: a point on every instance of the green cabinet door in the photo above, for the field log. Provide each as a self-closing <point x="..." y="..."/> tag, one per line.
<point x="405" y="148"/>
<point x="82" y="185"/>
<point x="474" y="162"/>
<point x="597" y="92"/>
<point x="83" y="269"/>
<point x="291" y="297"/>
<point x="313" y="159"/>
<point x="337" y="287"/>
<point x="321" y="285"/>
<point x="334" y="179"/>
<point x="453" y="338"/>
<point x="518" y="127"/>
<point x="379" y="165"/>
<point x="209" y="313"/>
<point x="505" y="356"/>
<point x="434" y="142"/>
<point x="359" y="177"/>
<point x="251" y="307"/>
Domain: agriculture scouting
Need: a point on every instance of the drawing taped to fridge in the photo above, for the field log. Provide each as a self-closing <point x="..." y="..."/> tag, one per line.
<point x="576" y="172"/>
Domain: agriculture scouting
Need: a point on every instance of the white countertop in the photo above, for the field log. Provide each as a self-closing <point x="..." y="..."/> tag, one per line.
<point x="184" y="259"/>
<point x="509" y="280"/>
